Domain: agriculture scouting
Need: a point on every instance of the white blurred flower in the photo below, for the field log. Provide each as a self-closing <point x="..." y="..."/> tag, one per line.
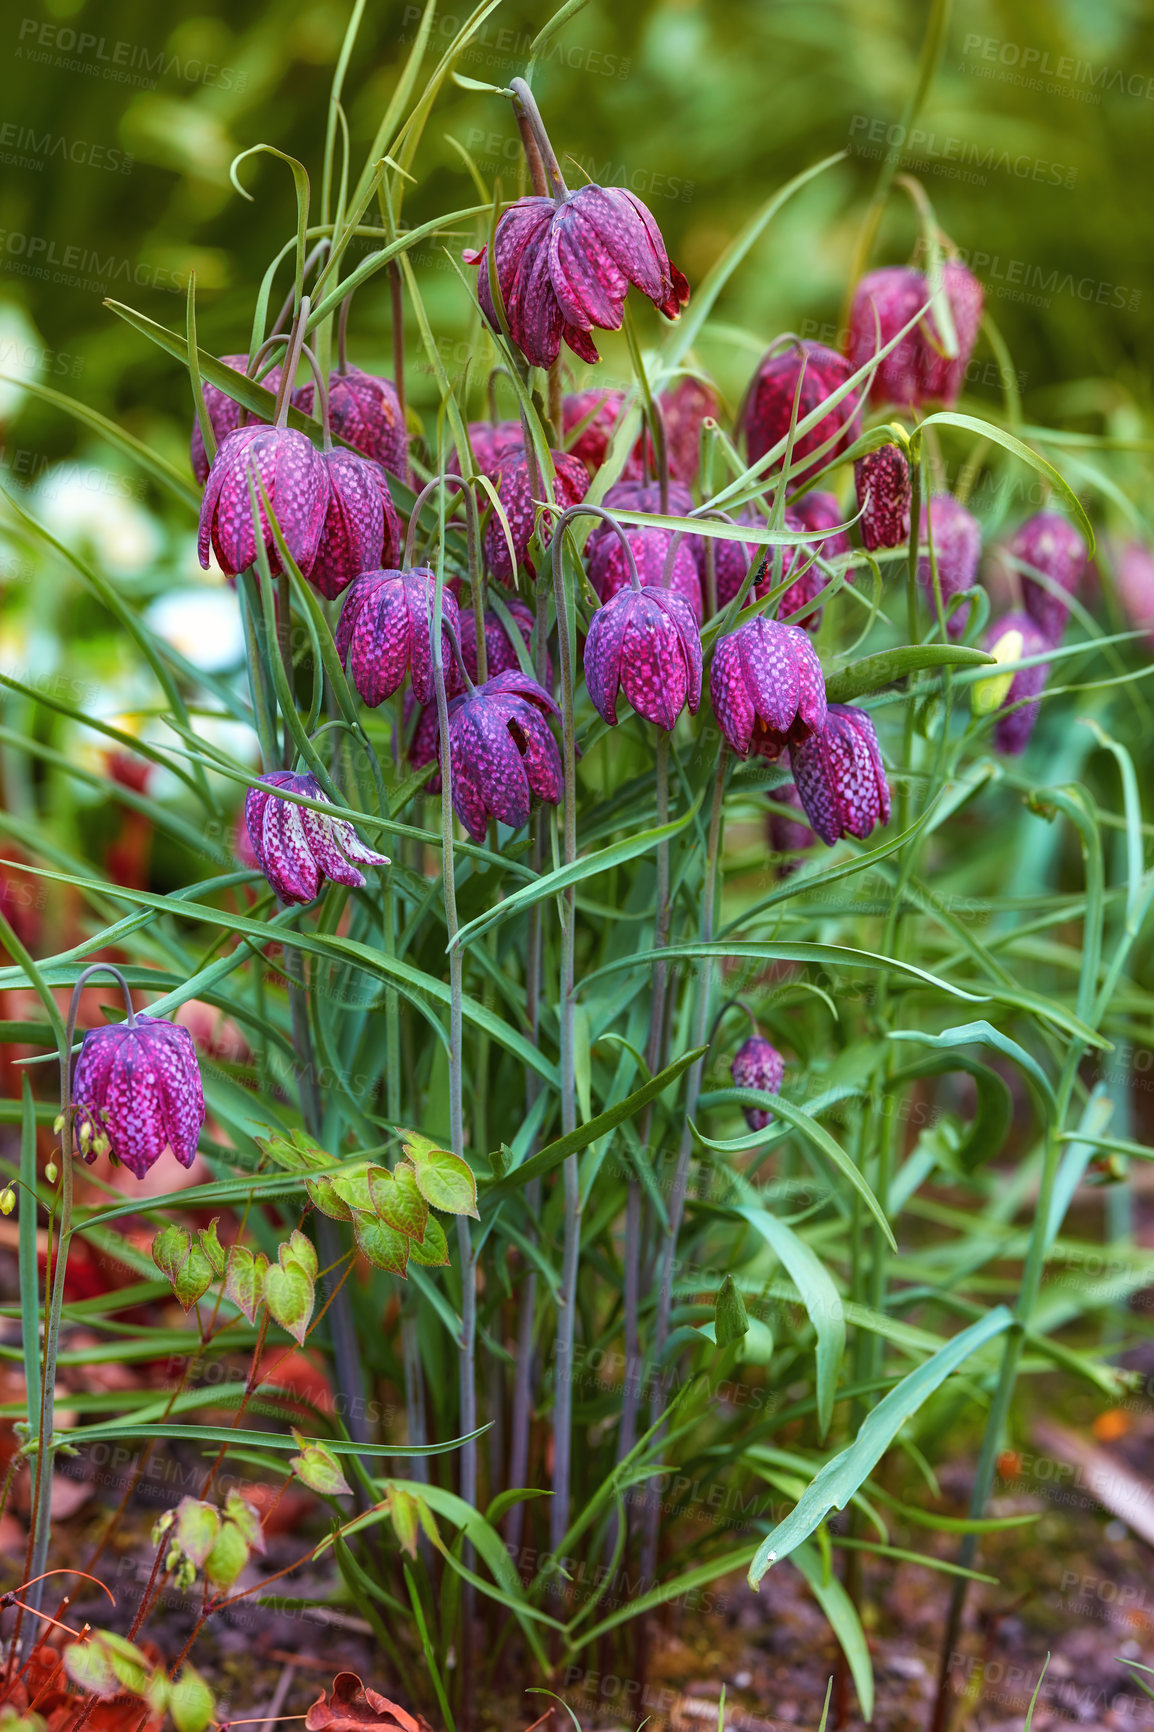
<point x="85" y="505"/>
<point x="203" y="624"/>
<point x="22" y="354"/>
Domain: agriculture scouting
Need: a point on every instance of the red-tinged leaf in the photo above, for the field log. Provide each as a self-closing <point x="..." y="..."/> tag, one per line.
<point x="353" y="1707"/>
<point x="322" y="1193"/>
<point x="243" y="1279"/>
<point x="289" y="1294"/>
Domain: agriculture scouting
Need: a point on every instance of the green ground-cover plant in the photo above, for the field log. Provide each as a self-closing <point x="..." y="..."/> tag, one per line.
<point x="645" y="1299"/>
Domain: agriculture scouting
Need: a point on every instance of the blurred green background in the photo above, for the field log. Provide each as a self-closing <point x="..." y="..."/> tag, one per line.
<point x="122" y="117"/>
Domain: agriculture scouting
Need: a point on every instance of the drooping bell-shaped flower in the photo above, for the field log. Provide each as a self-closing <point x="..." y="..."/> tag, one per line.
<point x="224" y="412"/>
<point x="491" y="442"/>
<point x="915" y="371"/>
<point x="757" y="1064"/>
<point x="1134" y="576"/>
<point x="365" y="412"/>
<point x="500" y="654"/>
<point x="609" y="565"/>
<point x="361" y="529"/>
<point x="957" y="541"/>
<point x="297" y="849"/>
<point x="767" y="687"/>
<point x="732" y="560"/>
<point x="645" y="643"/>
<point x="502" y="752"/>
<point x="564" y="268"/>
<point x="942" y="378"/>
<point x="515" y="489"/>
<point x="136" y="1091"/>
<point x="818" y="511"/>
<point x="1014" y="638"/>
<point x="645" y="496"/>
<point x="295" y="479"/>
<point x="597" y="413"/>
<point x="882" y="480"/>
<point x="840" y="776"/>
<point x="385" y="631"/>
<point x="769" y="405"/>
<point x="1052" y="546"/>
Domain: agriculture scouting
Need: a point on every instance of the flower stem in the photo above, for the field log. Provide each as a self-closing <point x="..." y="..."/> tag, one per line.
<point x="693" y="1089"/>
<point x="524" y="103"/>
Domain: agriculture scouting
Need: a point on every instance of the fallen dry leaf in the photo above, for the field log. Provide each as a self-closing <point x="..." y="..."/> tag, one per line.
<point x="354" y="1707"/>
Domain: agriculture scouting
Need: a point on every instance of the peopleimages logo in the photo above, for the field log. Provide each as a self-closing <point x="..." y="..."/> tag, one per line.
<point x="51" y="262"/>
<point x="1057" y="74"/>
<point x="24" y="147"/>
<point x="119" y="62"/>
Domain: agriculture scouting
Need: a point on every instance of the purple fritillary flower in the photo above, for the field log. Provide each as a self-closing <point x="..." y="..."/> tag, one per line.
<point x="884" y="302"/>
<point x="757" y="1065"/>
<point x="941" y="378"/>
<point x="592" y="443"/>
<point x="499" y="652"/>
<point x="565" y="268"/>
<point x="1051" y="544"/>
<point x="515" y="490"/>
<point x="637" y="495"/>
<point x="915" y="372"/>
<point x="767" y="687"/>
<point x="609" y="566"/>
<point x="818" y="511"/>
<point x="137" y="1091"/>
<point x="769" y="405"/>
<point x="957" y="549"/>
<point x="297" y="849"/>
<point x="365" y="412"/>
<point x="644" y="642"/>
<point x="362" y="530"/>
<point x="882" y="479"/>
<point x="491" y="442"/>
<point x="502" y="752"/>
<point x="1012" y="730"/>
<point x="840" y="776"/>
<point x="297" y="484"/>
<point x="684" y="409"/>
<point x="1134" y="576"/>
<point x="224" y="412"/>
<point x="384" y="632"/>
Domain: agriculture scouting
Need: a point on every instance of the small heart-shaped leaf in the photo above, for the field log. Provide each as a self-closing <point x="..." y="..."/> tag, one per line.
<point x="398" y="1199"/>
<point x="384" y="1247"/>
<point x="432" y="1252"/>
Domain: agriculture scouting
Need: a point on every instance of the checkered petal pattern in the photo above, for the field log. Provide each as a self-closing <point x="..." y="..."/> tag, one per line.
<point x="298" y="849"/>
<point x="139" y="1085"/>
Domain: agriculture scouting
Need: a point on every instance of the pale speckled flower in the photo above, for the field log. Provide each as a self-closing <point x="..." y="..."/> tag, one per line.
<point x="840" y="776"/>
<point x="757" y="1064"/>
<point x="767" y="687"/>
<point x="385" y="632"/>
<point x="137" y="1091"/>
<point x="645" y="643"/>
<point x="298" y="849"/>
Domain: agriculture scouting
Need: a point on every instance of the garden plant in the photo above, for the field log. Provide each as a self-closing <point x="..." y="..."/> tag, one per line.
<point x="578" y="1103"/>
